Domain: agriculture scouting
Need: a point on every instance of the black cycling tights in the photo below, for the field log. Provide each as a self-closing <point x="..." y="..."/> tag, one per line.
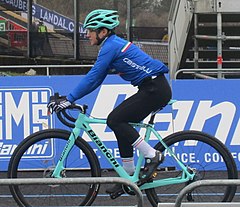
<point x="151" y="96"/>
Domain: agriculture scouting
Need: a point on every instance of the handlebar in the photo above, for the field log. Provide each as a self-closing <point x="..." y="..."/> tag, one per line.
<point x="66" y="116"/>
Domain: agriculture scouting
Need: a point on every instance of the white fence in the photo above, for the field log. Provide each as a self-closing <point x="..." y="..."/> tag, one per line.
<point x="47" y="67"/>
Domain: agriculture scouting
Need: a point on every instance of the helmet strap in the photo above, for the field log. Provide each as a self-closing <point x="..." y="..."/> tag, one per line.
<point x="100" y="40"/>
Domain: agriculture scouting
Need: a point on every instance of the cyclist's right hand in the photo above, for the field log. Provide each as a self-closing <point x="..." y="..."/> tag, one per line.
<point x="56" y="104"/>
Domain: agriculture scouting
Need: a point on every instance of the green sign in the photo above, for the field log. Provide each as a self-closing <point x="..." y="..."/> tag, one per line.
<point x="2" y="25"/>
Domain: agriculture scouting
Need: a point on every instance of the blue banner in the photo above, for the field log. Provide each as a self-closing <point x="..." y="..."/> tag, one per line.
<point x="57" y="20"/>
<point x="52" y="17"/>
<point x="205" y="105"/>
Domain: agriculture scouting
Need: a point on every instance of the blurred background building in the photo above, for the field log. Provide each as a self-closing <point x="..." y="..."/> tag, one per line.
<point x="149" y="20"/>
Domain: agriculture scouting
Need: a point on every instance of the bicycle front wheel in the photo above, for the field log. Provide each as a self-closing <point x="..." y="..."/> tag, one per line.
<point x="203" y="154"/>
<point x="37" y="156"/>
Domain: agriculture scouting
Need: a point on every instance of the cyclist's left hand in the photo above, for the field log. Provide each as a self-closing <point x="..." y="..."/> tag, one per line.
<point x="56" y="105"/>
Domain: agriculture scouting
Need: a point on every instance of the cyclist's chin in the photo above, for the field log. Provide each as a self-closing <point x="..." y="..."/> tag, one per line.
<point x="93" y="42"/>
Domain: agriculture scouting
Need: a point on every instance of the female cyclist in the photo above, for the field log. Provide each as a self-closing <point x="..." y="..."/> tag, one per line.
<point x="135" y="66"/>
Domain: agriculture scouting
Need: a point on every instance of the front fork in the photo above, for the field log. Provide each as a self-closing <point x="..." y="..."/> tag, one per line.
<point x="57" y="173"/>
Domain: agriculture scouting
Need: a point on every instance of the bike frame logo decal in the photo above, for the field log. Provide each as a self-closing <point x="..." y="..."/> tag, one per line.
<point x="103" y="148"/>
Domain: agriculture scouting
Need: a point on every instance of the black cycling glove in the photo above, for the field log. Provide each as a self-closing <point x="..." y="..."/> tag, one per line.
<point x="58" y="104"/>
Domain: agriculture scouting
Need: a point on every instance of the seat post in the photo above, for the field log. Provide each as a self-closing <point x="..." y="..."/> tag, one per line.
<point x="151" y="121"/>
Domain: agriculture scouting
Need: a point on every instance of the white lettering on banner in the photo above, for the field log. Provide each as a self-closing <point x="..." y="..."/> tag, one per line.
<point x="33" y="10"/>
<point x="48" y="15"/>
<point x="7" y="149"/>
<point x="184" y="157"/>
<point x="183" y="112"/>
<point x="20" y="4"/>
<point x="204" y="112"/>
<point x="53" y="18"/>
<point x="40" y="123"/>
<point x="2" y="26"/>
<point x="36" y="149"/>
<point x="216" y="157"/>
<point x="71" y="27"/>
<point x="191" y="157"/>
<point x="23" y="111"/>
<point x="235" y="139"/>
<point x="236" y="155"/>
<point x="115" y="153"/>
<point x="17" y="113"/>
<point x="213" y="157"/>
<point x="28" y="110"/>
<point x="187" y="157"/>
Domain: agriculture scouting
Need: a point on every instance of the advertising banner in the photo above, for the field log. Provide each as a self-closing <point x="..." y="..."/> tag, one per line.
<point x="205" y="105"/>
<point x="2" y="25"/>
<point x="52" y="17"/>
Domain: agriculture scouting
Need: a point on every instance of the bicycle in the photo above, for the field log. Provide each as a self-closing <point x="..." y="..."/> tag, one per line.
<point x="186" y="160"/>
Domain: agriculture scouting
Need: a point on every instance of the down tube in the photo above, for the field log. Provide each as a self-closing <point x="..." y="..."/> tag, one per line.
<point x="104" y="150"/>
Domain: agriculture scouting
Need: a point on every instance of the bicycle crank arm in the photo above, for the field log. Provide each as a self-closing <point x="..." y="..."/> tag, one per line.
<point x="116" y="194"/>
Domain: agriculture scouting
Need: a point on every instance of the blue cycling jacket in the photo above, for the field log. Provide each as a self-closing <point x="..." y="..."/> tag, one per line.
<point x="127" y="59"/>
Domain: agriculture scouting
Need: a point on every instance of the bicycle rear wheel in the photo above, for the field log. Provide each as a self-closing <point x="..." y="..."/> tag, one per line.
<point x="204" y="154"/>
<point x="37" y="156"/>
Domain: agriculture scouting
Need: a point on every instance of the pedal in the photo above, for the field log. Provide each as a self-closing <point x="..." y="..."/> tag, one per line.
<point x="128" y="190"/>
<point x="116" y="194"/>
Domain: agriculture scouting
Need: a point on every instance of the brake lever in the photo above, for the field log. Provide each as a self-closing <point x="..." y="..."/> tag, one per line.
<point x="85" y="107"/>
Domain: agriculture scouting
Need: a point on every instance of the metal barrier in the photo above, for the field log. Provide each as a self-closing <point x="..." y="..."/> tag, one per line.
<point x="48" y="67"/>
<point x="199" y="183"/>
<point x="200" y="205"/>
<point x="85" y="180"/>
<point x="205" y="71"/>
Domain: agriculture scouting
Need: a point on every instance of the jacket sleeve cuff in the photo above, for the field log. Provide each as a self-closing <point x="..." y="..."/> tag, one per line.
<point x="70" y="98"/>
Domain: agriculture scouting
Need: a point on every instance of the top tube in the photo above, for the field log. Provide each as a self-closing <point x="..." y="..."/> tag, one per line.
<point x="69" y="120"/>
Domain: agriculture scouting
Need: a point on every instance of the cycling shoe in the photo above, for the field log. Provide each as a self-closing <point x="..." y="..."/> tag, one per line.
<point x="151" y="165"/>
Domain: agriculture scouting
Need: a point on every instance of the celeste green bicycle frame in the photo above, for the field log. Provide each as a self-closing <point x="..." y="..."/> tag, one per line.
<point x="83" y="124"/>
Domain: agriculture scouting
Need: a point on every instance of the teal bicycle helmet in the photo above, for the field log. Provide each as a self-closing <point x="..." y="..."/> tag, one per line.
<point x="101" y="18"/>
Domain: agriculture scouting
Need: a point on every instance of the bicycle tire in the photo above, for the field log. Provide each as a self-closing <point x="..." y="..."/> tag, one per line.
<point x="22" y="162"/>
<point x="205" y="147"/>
